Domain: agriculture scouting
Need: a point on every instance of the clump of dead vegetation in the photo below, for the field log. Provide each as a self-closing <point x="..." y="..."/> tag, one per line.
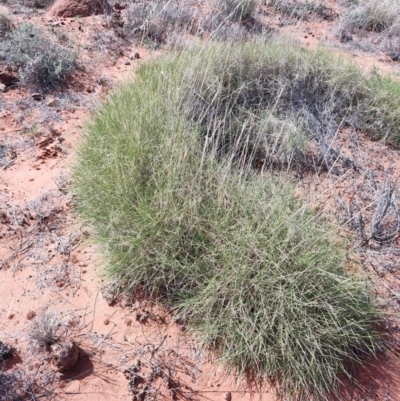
<point x="36" y="224"/>
<point x="160" y="360"/>
<point x="372" y="211"/>
<point x="49" y="333"/>
<point x="40" y="61"/>
<point x="21" y="385"/>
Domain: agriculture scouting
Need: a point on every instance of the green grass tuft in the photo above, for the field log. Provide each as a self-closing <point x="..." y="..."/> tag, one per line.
<point x="163" y="177"/>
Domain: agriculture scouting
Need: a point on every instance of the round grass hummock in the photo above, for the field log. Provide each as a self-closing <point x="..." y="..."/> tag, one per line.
<point x="164" y="177"/>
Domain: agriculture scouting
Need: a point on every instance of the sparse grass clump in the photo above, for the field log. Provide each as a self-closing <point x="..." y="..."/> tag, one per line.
<point x="40" y="61"/>
<point x="153" y="22"/>
<point x="373" y="15"/>
<point x="164" y="177"/>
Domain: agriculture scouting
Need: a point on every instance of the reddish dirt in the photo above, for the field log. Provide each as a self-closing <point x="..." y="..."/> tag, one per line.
<point x="48" y="262"/>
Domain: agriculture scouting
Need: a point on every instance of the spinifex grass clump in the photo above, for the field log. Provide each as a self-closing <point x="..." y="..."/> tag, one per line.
<point x="267" y="101"/>
<point x="163" y="176"/>
<point x="374" y="15"/>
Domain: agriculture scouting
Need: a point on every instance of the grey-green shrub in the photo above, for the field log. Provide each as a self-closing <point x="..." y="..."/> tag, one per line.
<point x="40" y="61"/>
<point x="163" y="177"/>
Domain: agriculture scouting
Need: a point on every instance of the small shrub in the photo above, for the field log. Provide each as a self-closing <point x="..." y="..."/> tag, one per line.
<point x="163" y="175"/>
<point x="373" y="15"/>
<point x="40" y="61"/>
<point x="238" y="9"/>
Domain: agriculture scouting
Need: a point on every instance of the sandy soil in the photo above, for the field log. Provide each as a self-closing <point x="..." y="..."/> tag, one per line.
<point x="47" y="261"/>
